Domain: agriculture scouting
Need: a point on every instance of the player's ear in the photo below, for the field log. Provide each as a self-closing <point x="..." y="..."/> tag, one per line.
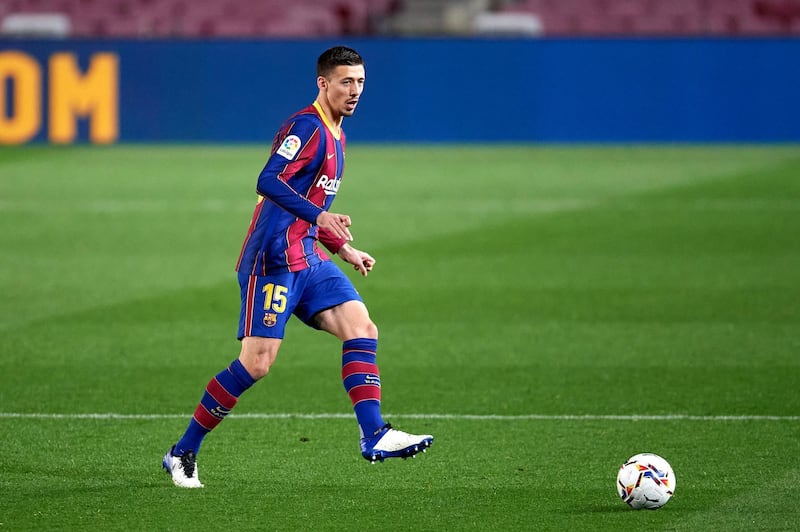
<point x="322" y="83"/>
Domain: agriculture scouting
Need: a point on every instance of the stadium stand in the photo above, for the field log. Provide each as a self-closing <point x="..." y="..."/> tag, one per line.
<point x="326" y="18"/>
<point x="199" y="18"/>
<point x="663" y="17"/>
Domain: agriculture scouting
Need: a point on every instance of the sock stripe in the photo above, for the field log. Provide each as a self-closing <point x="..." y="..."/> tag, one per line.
<point x="357" y="366"/>
<point x="220" y="394"/>
<point x="204" y="418"/>
<point x="360" y="344"/>
<point x="368" y="352"/>
<point x="361" y="379"/>
<point x="365" y="392"/>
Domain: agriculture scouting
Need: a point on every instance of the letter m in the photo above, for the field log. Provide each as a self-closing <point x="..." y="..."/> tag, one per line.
<point x="94" y="94"/>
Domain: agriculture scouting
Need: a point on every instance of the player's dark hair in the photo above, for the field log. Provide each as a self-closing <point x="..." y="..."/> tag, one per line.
<point x="336" y="56"/>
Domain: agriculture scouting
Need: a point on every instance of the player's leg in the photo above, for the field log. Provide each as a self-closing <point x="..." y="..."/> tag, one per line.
<point x="258" y="354"/>
<point x="332" y="304"/>
<point x="223" y="390"/>
<point x="266" y="306"/>
<point x="219" y="397"/>
<point x="350" y="323"/>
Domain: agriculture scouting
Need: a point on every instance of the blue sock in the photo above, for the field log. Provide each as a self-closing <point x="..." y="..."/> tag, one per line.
<point x="363" y="383"/>
<point x="221" y="395"/>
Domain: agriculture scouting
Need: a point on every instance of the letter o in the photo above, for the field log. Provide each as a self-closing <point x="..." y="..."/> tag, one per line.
<point x="26" y="115"/>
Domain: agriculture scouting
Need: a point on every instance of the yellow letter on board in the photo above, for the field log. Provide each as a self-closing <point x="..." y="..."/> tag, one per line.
<point x="94" y="95"/>
<point x="25" y="118"/>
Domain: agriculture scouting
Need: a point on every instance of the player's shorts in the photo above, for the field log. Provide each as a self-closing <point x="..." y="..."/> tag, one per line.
<point x="268" y="301"/>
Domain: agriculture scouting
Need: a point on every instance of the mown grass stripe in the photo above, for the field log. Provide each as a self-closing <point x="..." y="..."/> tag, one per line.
<point x="455" y="417"/>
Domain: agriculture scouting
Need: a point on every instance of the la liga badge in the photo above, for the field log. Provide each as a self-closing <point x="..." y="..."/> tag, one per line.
<point x="289" y="147"/>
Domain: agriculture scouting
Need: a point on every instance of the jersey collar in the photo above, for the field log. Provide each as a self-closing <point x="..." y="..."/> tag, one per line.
<point x="335" y="131"/>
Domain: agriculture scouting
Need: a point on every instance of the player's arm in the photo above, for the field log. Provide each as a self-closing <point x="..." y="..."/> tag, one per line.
<point x="283" y="195"/>
<point x="295" y="147"/>
<point x="362" y="262"/>
<point x="291" y="153"/>
<point x="332" y="242"/>
<point x="273" y="185"/>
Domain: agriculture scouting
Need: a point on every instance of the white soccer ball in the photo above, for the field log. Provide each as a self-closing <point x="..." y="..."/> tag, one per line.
<point x="646" y="481"/>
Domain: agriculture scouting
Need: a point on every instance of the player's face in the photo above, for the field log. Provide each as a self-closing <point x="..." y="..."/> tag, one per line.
<point x="344" y="87"/>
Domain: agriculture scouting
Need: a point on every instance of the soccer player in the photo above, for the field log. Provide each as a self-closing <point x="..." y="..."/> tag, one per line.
<point x="283" y="271"/>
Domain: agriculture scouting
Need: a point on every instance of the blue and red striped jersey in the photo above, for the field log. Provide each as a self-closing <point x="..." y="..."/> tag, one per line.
<point x="299" y="181"/>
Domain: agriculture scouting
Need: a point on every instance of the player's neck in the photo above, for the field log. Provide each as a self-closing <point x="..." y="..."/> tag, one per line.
<point x="333" y="122"/>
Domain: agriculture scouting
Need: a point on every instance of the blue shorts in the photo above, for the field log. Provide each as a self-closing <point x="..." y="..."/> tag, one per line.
<point x="268" y="301"/>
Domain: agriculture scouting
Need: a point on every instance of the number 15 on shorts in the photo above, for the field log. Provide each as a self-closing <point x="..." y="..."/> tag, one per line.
<point x="275" y="297"/>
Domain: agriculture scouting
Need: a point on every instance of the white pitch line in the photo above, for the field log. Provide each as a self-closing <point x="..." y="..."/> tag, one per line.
<point x="454" y="417"/>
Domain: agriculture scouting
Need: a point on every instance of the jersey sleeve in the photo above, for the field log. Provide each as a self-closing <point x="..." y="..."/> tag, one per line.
<point x="330" y="241"/>
<point x="296" y="146"/>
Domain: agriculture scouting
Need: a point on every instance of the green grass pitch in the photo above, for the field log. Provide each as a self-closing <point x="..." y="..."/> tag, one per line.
<point x="545" y="312"/>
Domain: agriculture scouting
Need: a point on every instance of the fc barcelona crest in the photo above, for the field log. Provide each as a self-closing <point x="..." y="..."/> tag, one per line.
<point x="270" y="319"/>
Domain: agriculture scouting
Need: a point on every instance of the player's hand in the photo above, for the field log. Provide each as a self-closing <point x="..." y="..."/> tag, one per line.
<point x="362" y="262"/>
<point x="337" y="224"/>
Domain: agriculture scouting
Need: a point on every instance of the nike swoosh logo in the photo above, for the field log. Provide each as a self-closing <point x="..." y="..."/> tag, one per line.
<point x="330" y="155"/>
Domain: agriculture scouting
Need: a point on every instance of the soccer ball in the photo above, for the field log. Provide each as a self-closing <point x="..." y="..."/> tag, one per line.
<point x="645" y="481"/>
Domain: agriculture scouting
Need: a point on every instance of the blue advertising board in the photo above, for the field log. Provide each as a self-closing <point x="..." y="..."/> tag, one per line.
<point x="417" y="90"/>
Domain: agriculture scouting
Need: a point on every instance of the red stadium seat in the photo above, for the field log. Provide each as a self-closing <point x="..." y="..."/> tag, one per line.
<point x="310" y="18"/>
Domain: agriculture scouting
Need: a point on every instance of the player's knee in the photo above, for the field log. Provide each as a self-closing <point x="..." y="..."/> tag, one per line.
<point x="258" y="357"/>
<point x="259" y="367"/>
<point x="360" y="329"/>
<point x="370" y="330"/>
